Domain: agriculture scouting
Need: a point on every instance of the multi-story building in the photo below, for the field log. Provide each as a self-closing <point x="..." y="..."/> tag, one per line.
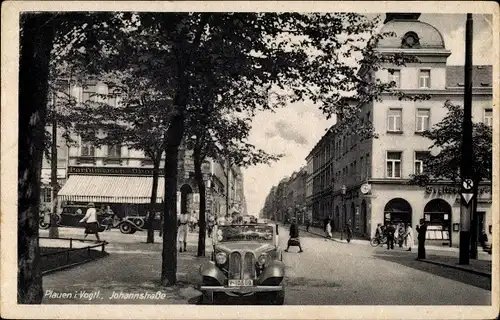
<point x="288" y="198"/>
<point x="121" y="177"/>
<point x="375" y="171"/>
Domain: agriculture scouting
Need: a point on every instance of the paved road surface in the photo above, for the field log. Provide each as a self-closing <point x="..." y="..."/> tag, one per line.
<point x="326" y="273"/>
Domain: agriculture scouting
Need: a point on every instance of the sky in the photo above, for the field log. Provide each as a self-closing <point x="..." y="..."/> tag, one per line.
<point x="294" y="130"/>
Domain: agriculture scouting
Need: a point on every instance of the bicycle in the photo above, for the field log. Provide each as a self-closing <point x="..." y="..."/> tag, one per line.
<point x="378" y="241"/>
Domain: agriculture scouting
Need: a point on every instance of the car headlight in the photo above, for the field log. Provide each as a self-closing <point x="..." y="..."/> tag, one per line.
<point x="263" y="259"/>
<point x="221" y="257"/>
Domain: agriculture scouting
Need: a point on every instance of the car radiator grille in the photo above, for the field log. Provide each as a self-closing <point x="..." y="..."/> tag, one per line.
<point x="235" y="265"/>
<point x="249" y="266"/>
<point x="239" y="269"/>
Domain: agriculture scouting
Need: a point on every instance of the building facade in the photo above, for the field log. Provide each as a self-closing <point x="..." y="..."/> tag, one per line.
<point x="121" y="177"/>
<point x="288" y="199"/>
<point x="376" y="171"/>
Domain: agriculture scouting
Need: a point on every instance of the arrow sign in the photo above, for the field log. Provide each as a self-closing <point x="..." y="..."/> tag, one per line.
<point x="467" y="197"/>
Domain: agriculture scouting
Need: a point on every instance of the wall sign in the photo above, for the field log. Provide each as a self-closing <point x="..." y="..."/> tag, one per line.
<point x="119" y="171"/>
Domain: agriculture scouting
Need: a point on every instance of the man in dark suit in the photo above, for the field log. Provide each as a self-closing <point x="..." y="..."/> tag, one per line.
<point x="422" y="230"/>
<point x="390" y="236"/>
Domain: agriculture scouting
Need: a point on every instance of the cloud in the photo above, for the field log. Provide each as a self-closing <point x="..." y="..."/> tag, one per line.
<point x="292" y="131"/>
<point x="287" y="131"/>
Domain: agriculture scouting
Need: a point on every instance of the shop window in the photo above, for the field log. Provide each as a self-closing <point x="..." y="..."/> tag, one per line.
<point x="395" y="76"/>
<point x="394" y="120"/>
<point x="393" y="164"/>
<point x="488" y="117"/>
<point x="424" y="79"/>
<point x="422" y="122"/>
<point x="397" y="210"/>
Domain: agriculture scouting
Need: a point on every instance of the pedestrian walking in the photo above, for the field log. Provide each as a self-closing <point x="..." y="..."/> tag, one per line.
<point x="348" y="230"/>
<point x="182" y="231"/>
<point x="90" y="219"/>
<point x="390" y="236"/>
<point x="294" y="240"/>
<point x="308" y="224"/>
<point x="422" y="230"/>
<point x="408" y="237"/>
<point x="328" y="229"/>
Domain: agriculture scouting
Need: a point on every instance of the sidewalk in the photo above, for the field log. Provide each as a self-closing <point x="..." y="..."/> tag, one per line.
<point x="477" y="266"/>
<point x="129" y="275"/>
<point x="442" y="256"/>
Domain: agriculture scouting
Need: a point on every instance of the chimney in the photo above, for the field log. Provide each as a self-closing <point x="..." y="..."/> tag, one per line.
<point x="401" y="16"/>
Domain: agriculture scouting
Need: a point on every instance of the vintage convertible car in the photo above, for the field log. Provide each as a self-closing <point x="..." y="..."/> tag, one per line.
<point x="246" y="261"/>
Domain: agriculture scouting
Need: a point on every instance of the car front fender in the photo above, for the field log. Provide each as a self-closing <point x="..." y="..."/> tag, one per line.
<point x="209" y="269"/>
<point x="275" y="269"/>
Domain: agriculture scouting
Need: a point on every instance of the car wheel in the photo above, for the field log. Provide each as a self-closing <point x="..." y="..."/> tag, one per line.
<point x="207" y="297"/>
<point x="274" y="298"/>
<point x="139" y="222"/>
<point x="43" y="225"/>
<point x="125" y="228"/>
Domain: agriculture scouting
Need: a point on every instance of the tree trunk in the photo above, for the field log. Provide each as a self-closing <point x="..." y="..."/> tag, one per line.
<point x="198" y="175"/>
<point x="36" y="43"/>
<point x="154" y="192"/>
<point x="169" y="252"/>
<point x="54" y="230"/>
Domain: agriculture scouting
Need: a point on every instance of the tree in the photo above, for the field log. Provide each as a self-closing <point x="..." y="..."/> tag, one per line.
<point x="35" y="45"/>
<point x="446" y="137"/>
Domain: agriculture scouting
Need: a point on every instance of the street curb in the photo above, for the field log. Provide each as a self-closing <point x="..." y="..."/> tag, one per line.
<point x="484" y="274"/>
<point x="69" y="266"/>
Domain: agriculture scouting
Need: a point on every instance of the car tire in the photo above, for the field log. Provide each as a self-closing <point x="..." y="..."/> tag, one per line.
<point x="273" y="298"/>
<point x="125" y="228"/>
<point x="207" y="297"/>
<point x="43" y="225"/>
<point x="139" y="222"/>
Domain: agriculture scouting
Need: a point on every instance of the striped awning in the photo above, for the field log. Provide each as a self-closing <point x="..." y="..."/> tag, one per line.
<point x="113" y="189"/>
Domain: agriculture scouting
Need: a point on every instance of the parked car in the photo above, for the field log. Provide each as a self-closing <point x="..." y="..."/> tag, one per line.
<point x="246" y="261"/>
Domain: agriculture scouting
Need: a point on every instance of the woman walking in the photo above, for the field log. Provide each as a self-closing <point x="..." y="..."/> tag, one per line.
<point x="182" y="231"/>
<point x="408" y="237"/>
<point x="329" y="229"/>
<point x="91" y="225"/>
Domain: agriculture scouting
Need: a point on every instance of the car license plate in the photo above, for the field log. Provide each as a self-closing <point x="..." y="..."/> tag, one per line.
<point x="241" y="283"/>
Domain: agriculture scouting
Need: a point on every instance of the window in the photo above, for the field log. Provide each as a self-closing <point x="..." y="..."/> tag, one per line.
<point x="424" y="79"/>
<point x="89" y="93"/>
<point x="114" y="151"/>
<point x="488" y="117"/>
<point x="395" y="75"/>
<point x="87" y="150"/>
<point x="394" y="120"/>
<point x="46" y="195"/>
<point x="355" y="167"/>
<point x="393" y="164"/>
<point x="419" y="161"/>
<point x="423" y="116"/>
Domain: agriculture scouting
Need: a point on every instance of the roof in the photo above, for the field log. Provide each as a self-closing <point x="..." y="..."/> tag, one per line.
<point x="482" y="76"/>
<point x="428" y="36"/>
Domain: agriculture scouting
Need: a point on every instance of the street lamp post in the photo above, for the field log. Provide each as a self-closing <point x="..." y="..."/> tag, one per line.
<point x="343" y="213"/>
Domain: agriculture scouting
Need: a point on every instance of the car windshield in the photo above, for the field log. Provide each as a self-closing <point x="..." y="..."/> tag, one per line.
<point x="245" y="233"/>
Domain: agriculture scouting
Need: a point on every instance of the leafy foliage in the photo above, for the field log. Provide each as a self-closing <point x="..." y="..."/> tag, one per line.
<point x="446" y="136"/>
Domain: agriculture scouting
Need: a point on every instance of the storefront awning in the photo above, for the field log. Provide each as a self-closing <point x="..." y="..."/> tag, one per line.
<point x="113" y="189"/>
